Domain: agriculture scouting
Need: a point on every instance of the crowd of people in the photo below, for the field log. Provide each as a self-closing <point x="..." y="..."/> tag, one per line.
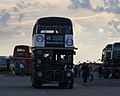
<point x="85" y="71"/>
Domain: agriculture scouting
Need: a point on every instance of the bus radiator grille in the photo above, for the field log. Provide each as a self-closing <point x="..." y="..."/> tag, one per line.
<point x="54" y="76"/>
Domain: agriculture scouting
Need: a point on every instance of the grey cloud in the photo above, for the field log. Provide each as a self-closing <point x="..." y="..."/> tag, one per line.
<point x="47" y="5"/>
<point x="20" y="6"/>
<point x="117" y="10"/>
<point x="29" y="4"/>
<point x="16" y="28"/>
<point x="15" y="9"/>
<point x="20" y="17"/>
<point x="76" y="4"/>
<point x="18" y="32"/>
<point x="109" y="9"/>
<point x="111" y="23"/>
<point x="86" y="4"/>
<point x="99" y="9"/>
<point x="3" y="11"/>
<point x="115" y="25"/>
<point x="5" y="18"/>
<point x="23" y="5"/>
<point x="110" y="6"/>
<point x="111" y="2"/>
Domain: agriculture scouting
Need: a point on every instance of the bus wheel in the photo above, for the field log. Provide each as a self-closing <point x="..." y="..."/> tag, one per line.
<point x="70" y="85"/>
<point x="35" y="85"/>
<point x="40" y="85"/>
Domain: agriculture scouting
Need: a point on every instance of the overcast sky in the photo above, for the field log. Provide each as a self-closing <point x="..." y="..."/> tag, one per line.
<point x="96" y="23"/>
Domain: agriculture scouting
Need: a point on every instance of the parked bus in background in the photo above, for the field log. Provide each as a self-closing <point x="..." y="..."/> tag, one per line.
<point x="111" y="60"/>
<point x="106" y="59"/>
<point x="106" y="55"/>
<point x="53" y="51"/>
<point x="4" y="63"/>
<point x="22" y="53"/>
<point x="115" y="56"/>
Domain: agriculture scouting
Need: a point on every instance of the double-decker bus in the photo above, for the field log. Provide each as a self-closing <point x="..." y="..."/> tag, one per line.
<point x="22" y="53"/>
<point x="106" y="55"/>
<point x="106" y="59"/>
<point x="115" y="55"/>
<point x="52" y="52"/>
<point x="111" y="60"/>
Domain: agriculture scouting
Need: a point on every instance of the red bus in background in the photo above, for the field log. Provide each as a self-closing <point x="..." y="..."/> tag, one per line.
<point x="22" y="53"/>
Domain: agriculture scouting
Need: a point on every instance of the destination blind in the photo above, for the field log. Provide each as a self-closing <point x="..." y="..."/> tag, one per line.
<point x="56" y="40"/>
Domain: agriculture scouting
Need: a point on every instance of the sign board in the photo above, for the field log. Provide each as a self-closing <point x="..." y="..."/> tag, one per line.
<point x="54" y="40"/>
<point x="40" y="40"/>
<point x="68" y="40"/>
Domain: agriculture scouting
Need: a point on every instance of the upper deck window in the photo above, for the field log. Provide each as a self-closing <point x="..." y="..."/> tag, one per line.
<point x="116" y="48"/>
<point x="48" y="31"/>
<point x="109" y="50"/>
<point x="20" y="50"/>
<point x="54" y="29"/>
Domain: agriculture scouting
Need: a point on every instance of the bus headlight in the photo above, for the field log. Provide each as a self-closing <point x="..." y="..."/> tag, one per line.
<point x="40" y="74"/>
<point x="39" y="61"/>
<point x="68" y="74"/>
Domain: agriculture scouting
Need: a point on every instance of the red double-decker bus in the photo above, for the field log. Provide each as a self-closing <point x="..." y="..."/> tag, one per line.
<point x="22" y="53"/>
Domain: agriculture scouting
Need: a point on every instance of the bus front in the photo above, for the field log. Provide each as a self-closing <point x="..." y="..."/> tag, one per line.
<point x="116" y="55"/>
<point x="53" y="52"/>
<point x="22" y="53"/>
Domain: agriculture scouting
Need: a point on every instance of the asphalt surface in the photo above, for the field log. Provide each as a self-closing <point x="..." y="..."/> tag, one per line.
<point x="14" y="85"/>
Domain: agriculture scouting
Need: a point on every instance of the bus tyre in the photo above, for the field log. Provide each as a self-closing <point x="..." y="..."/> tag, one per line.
<point x="35" y="85"/>
<point x="70" y="85"/>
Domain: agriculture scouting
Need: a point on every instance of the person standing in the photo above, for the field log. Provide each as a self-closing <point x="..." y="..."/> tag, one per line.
<point x="79" y="71"/>
<point x="21" y="69"/>
<point x="100" y="71"/>
<point x="85" y="73"/>
<point x="76" y="71"/>
<point x="13" y="70"/>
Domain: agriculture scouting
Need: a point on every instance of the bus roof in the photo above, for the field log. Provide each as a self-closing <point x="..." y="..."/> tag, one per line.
<point x="108" y="45"/>
<point x="116" y="43"/>
<point x="54" y="21"/>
